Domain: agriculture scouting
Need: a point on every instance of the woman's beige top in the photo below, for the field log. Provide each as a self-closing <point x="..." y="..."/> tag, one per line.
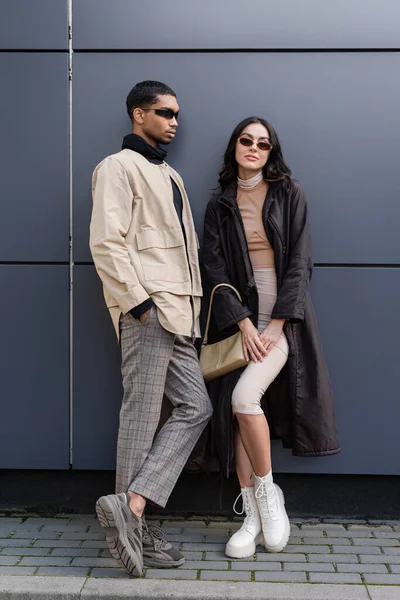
<point x="250" y="203"/>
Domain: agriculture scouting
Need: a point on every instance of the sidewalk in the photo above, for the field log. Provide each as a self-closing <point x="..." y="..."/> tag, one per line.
<point x="67" y="557"/>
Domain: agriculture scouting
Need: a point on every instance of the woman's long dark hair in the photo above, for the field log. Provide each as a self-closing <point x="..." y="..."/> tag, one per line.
<point x="274" y="170"/>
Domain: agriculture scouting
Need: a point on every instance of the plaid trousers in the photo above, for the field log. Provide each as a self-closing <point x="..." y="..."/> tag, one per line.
<point x="157" y="362"/>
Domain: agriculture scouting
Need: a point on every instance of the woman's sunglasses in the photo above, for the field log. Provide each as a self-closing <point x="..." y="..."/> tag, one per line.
<point x="247" y="142"/>
<point x="166" y="113"/>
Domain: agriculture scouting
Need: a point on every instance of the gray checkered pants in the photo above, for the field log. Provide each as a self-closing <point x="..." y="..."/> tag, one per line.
<point x="156" y="362"/>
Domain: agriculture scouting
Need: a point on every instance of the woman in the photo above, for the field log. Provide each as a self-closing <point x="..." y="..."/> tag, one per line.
<point x="256" y="238"/>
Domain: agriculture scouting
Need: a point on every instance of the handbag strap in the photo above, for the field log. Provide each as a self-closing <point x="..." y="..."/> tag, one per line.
<point x="210" y="306"/>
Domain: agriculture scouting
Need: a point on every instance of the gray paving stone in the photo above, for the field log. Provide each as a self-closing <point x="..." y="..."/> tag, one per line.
<point x="394" y="568"/>
<point x="225" y="575"/>
<point x="205" y="564"/>
<point x="281" y="557"/>
<point x="326" y="540"/>
<point x="326" y="567"/>
<point x="382" y="579"/>
<point x="334" y="578"/>
<point x="213" y="555"/>
<point x="171" y="574"/>
<point x="311" y="533"/>
<point x="193" y="555"/>
<point x="6" y="561"/>
<point x="378" y="592"/>
<point x="56" y="544"/>
<point x="21" y="543"/>
<point x="333" y="558"/>
<point x="45" y="561"/>
<point x="25" y="551"/>
<point x="280" y="576"/>
<point x="168" y="530"/>
<point x="387" y="534"/>
<point x="17" y="570"/>
<point x="10" y="520"/>
<point x="382" y="558"/>
<point x="5" y="533"/>
<point x="94" y="544"/>
<point x="203" y="531"/>
<point x="39" y="535"/>
<point x="314" y="527"/>
<point x="42" y="521"/>
<point x="210" y="539"/>
<point x="95" y="562"/>
<point x="81" y="530"/>
<point x="356" y="550"/>
<point x="374" y="542"/>
<point x="364" y="568"/>
<point x="71" y="535"/>
<point x="120" y="573"/>
<point x="392" y="551"/>
<point x="255" y="566"/>
<point x="64" y="571"/>
<point x="75" y="552"/>
<point x="187" y="523"/>
<point x="306" y="549"/>
<point x="180" y="538"/>
<point x="334" y="527"/>
<point x="361" y="528"/>
<point x="221" y="524"/>
<point x="345" y="521"/>
<point x="203" y="547"/>
<point x="295" y="540"/>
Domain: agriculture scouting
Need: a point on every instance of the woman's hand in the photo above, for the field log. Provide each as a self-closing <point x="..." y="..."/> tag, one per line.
<point x="253" y="347"/>
<point x="271" y="334"/>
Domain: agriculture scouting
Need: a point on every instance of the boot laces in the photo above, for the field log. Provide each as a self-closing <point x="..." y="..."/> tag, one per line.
<point x="268" y="507"/>
<point x="247" y="507"/>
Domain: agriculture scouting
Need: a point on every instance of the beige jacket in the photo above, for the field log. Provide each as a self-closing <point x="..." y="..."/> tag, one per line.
<point x="138" y="245"/>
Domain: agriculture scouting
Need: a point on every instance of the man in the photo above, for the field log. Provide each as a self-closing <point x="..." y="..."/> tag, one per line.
<point x="145" y="249"/>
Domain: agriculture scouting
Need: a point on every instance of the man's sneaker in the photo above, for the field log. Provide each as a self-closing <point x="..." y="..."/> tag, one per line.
<point x="243" y="543"/>
<point x="117" y="519"/>
<point x="157" y="552"/>
<point x="274" y="520"/>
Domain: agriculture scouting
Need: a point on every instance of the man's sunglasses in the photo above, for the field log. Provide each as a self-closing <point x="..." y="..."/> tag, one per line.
<point x="247" y="142"/>
<point x="166" y="113"/>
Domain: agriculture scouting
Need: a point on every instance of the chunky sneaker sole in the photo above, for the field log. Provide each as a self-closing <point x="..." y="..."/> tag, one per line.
<point x="285" y="537"/>
<point x="112" y="519"/>
<point x="150" y="561"/>
<point x="245" y="551"/>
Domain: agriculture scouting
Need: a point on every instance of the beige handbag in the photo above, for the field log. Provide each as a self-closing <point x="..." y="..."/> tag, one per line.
<point x="225" y="356"/>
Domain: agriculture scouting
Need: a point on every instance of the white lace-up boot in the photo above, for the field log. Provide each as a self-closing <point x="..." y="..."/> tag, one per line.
<point x="243" y="543"/>
<point x="274" y="520"/>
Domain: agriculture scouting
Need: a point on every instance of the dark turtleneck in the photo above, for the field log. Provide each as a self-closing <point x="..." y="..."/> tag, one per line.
<point x="156" y="156"/>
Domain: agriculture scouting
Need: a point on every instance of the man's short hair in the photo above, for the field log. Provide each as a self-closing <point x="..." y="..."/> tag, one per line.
<point x="145" y="93"/>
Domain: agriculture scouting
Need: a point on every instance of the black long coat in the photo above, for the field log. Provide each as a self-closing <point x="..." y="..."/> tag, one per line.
<point x="299" y="403"/>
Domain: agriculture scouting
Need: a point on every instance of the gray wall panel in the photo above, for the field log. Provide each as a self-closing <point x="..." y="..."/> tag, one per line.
<point x="34" y="158"/>
<point x="339" y="129"/>
<point x="362" y="359"/>
<point x="357" y="310"/>
<point x="34" y="373"/>
<point x="97" y="377"/>
<point x="227" y="24"/>
<point x="42" y="24"/>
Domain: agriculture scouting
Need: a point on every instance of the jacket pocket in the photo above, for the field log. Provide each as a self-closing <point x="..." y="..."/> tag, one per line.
<point x="162" y="255"/>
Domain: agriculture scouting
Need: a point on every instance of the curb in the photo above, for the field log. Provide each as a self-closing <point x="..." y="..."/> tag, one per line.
<point x="79" y="588"/>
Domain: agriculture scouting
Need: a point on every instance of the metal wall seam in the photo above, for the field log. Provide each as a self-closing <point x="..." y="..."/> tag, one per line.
<point x="71" y="257"/>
